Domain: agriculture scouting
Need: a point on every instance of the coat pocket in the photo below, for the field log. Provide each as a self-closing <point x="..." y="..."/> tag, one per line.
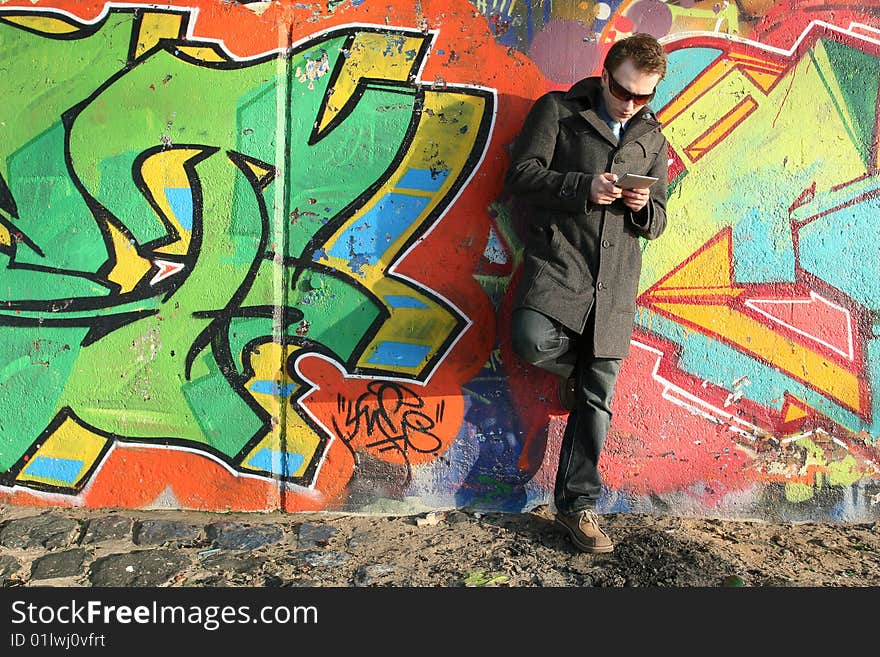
<point x="565" y="264"/>
<point x="628" y="272"/>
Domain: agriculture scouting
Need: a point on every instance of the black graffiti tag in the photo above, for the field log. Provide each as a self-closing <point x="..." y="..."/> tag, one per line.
<point x="389" y="413"/>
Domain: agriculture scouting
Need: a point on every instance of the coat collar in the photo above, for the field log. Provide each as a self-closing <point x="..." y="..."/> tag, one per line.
<point x="587" y="91"/>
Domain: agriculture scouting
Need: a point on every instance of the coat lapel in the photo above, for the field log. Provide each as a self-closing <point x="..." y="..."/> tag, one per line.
<point x="639" y="125"/>
<point x="586" y="94"/>
<point x="593" y="118"/>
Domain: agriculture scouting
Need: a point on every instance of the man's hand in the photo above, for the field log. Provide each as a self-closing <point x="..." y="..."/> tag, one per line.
<point x="603" y="190"/>
<point x="635" y="199"/>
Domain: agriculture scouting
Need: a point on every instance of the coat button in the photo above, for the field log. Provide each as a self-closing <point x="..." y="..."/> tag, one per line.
<point x="600" y="286"/>
<point x="605" y="244"/>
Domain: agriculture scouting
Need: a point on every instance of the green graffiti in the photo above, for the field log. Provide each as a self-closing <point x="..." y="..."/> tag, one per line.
<point x="146" y="218"/>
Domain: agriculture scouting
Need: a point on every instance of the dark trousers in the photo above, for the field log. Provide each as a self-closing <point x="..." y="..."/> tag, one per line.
<point x="545" y="343"/>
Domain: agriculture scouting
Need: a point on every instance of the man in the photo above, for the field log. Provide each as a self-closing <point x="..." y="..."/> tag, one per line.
<point x="574" y="309"/>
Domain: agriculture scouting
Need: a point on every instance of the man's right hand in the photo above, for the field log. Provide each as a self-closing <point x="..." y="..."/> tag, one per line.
<point x="603" y="190"/>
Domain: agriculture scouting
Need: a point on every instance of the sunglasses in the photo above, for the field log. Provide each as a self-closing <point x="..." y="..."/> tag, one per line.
<point x="622" y="93"/>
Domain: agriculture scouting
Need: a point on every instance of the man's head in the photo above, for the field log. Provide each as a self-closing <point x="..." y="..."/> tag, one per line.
<point x="633" y="67"/>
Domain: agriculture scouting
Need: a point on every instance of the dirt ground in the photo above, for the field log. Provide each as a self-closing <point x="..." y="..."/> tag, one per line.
<point x="458" y="548"/>
<point x="465" y="549"/>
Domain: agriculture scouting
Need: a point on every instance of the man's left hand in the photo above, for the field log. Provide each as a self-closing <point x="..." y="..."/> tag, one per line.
<point x="635" y="199"/>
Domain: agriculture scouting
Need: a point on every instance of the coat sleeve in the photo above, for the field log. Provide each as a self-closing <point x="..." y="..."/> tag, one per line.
<point x="530" y="176"/>
<point x="650" y="221"/>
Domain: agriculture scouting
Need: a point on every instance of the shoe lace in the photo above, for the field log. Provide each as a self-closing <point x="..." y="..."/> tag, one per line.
<point x="592" y="518"/>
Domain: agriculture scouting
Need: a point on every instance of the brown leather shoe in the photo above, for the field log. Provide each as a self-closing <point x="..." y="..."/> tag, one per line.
<point x="583" y="527"/>
<point x="567" y="392"/>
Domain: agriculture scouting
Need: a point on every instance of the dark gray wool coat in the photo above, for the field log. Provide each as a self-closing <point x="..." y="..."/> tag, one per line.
<point x="577" y="253"/>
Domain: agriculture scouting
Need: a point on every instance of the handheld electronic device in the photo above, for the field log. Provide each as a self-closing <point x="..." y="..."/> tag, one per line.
<point x="632" y="181"/>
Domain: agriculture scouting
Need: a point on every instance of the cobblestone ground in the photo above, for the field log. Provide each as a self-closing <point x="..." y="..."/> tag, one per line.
<point x="113" y="547"/>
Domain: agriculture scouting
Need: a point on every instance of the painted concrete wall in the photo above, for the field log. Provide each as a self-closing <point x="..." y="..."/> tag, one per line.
<point x="257" y="256"/>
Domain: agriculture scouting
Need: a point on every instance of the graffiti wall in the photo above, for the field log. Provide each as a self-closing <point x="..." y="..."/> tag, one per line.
<point x="258" y="256"/>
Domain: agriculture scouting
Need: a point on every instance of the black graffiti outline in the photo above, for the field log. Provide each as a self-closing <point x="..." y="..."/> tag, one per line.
<point x="375" y="418"/>
<point x="213" y="334"/>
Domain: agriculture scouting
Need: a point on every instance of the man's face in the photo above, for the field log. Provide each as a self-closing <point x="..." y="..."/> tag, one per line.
<point x="629" y="81"/>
